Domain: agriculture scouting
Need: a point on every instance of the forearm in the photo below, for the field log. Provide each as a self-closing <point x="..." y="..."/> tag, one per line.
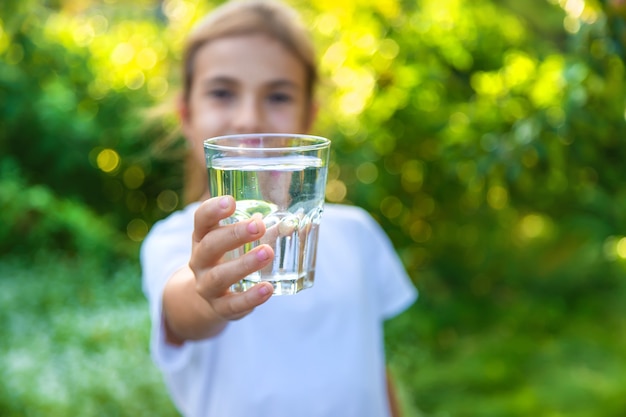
<point x="394" y="406"/>
<point x="186" y="315"/>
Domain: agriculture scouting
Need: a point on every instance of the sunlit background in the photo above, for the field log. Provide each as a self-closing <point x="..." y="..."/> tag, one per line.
<point x="486" y="136"/>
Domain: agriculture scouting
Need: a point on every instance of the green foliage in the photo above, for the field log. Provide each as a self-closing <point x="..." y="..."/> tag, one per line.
<point x="75" y="340"/>
<point x="487" y="137"/>
<point x="35" y="220"/>
<point x="73" y="120"/>
<point x="536" y="353"/>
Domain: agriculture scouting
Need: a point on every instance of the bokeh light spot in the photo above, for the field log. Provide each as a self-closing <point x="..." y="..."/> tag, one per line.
<point x="388" y="49"/>
<point x="488" y="84"/>
<point x="621" y="248"/>
<point x="427" y="100"/>
<point x="178" y="10"/>
<point x="134" y="177"/>
<point x="352" y="103"/>
<point x="134" y="79"/>
<point x="4" y="39"/>
<point x="466" y="171"/>
<point x="458" y="122"/>
<point x="157" y="86"/>
<point x="136" y="230"/>
<point x="327" y="23"/>
<point x="530" y="158"/>
<point x="532" y="226"/>
<point x="122" y="53"/>
<point x="99" y="24"/>
<point x="423" y="205"/>
<point x="367" y="172"/>
<point x="167" y="201"/>
<point x="147" y="58"/>
<point x="367" y="43"/>
<point x="497" y="197"/>
<point x="420" y="231"/>
<point x="335" y="56"/>
<point x="83" y="35"/>
<point x="391" y="207"/>
<point x="336" y="191"/>
<point x="108" y="160"/>
<point x="548" y="88"/>
<point x="520" y="68"/>
<point x="412" y="175"/>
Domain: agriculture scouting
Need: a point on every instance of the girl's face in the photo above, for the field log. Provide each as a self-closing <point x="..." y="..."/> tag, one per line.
<point x="245" y="84"/>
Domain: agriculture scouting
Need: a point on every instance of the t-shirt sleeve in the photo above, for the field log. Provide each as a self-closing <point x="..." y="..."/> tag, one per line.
<point x="395" y="291"/>
<point x="166" y="249"/>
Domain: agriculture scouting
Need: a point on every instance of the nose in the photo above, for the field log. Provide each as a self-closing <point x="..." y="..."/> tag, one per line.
<point x="248" y="117"/>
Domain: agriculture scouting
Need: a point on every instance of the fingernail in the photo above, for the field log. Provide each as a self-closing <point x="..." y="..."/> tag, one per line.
<point x="264" y="290"/>
<point x="262" y="255"/>
<point x="224" y="202"/>
<point x="253" y="228"/>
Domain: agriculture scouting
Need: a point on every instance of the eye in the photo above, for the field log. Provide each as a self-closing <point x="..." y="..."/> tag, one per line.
<point x="280" y="98"/>
<point x="220" y="93"/>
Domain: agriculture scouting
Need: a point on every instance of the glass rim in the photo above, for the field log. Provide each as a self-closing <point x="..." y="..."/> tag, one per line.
<point x="316" y="142"/>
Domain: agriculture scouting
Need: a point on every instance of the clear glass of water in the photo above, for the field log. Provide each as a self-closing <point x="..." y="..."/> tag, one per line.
<point x="282" y="179"/>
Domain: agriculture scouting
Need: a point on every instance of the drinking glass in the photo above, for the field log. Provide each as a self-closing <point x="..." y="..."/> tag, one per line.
<point x="282" y="179"/>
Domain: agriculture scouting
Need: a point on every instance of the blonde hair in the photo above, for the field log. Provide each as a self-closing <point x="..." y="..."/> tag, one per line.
<point x="244" y="17"/>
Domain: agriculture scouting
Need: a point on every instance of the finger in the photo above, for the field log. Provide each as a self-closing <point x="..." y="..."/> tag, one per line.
<point x="281" y="228"/>
<point x="209" y="214"/>
<point x="212" y="247"/>
<point x="270" y="235"/>
<point x="234" y="306"/>
<point x="215" y="282"/>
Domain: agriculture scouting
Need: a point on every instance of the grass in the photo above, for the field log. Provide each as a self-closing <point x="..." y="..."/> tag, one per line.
<point x="75" y="341"/>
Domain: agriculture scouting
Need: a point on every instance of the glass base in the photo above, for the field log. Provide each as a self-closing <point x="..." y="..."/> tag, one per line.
<point x="282" y="286"/>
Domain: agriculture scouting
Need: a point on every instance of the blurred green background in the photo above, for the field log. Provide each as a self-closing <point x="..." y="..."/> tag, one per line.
<point x="486" y="136"/>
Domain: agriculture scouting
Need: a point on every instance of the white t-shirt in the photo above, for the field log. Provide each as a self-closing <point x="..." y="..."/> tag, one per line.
<point x="318" y="353"/>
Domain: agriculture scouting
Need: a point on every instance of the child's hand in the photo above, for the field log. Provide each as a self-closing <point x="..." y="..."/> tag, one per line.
<point x="213" y="275"/>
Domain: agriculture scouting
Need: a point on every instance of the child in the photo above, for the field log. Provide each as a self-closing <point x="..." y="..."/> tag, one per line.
<point x="249" y="67"/>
